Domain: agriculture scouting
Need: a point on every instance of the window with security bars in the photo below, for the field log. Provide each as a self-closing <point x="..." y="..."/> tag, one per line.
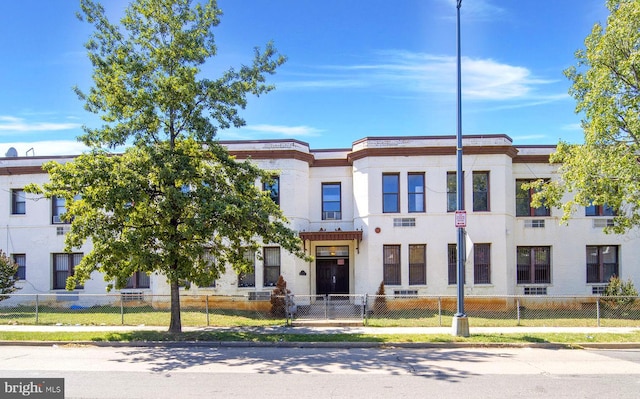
<point x="482" y="263"/>
<point x="534" y="265"/>
<point x="391" y="266"/>
<point x="248" y="279"/>
<point x="602" y="263"/>
<point x="21" y="261"/>
<point x="63" y="268"/>
<point x="271" y="266"/>
<point x="404" y="222"/>
<point x="417" y="264"/>
<point x="452" y="261"/>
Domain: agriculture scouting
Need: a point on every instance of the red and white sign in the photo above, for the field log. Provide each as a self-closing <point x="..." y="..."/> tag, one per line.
<point x="461" y="218"/>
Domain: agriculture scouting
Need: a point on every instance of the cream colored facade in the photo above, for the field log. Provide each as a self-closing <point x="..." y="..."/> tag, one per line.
<point x="359" y="238"/>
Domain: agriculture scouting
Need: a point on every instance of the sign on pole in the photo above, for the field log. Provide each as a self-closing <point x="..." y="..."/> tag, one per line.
<point x="461" y="219"/>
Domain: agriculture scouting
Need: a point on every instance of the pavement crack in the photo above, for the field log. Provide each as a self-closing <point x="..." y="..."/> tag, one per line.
<point x="409" y="366"/>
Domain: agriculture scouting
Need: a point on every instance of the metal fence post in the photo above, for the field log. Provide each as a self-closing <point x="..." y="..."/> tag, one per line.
<point x="206" y="307"/>
<point x="121" y="310"/>
<point x="37" y="303"/>
<point x="518" y="309"/>
<point x="288" y="317"/>
<point x="440" y="311"/>
<point x="326" y="306"/>
<point x="598" y="311"/>
<point x="365" y="305"/>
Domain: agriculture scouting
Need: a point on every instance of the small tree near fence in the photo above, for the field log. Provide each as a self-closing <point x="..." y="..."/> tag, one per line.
<point x="278" y="298"/>
<point x="380" y="303"/>
<point x="8" y="270"/>
<point x="619" y="295"/>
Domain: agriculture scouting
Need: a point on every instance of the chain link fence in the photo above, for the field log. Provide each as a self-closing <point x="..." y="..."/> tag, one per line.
<point x="373" y="310"/>
<point x="132" y="308"/>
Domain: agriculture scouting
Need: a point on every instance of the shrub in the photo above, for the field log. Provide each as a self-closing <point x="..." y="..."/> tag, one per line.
<point x="278" y="301"/>
<point x="8" y="270"/>
<point x="619" y="294"/>
<point x="380" y="303"/>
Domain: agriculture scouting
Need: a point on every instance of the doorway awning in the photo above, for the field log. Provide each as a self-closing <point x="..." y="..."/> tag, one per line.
<point x="337" y="235"/>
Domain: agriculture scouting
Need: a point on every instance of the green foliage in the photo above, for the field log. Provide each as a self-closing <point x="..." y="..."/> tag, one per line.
<point x="8" y="270"/>
<point x="619" y="294"/>
<point x="175" y="202"/>
<point x="605" y="169"/>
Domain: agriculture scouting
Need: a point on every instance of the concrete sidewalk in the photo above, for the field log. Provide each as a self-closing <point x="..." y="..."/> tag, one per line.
<point x="328" y="329"/>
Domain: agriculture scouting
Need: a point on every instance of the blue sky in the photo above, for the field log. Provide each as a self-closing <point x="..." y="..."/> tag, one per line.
<point x="355" y="69"/>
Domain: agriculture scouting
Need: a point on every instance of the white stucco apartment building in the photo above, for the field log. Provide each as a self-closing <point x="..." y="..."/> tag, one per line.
<point x="381" y="210"/>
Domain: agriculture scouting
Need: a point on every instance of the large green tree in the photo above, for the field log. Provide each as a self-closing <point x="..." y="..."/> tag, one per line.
<point x="604" y="170"/>
<point x="175" y="202"/>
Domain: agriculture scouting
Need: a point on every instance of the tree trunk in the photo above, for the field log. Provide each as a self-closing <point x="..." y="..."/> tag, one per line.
<point x="175" y="325"/>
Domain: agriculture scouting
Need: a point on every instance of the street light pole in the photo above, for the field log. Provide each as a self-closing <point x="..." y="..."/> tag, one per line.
<point x="460" y="324"/>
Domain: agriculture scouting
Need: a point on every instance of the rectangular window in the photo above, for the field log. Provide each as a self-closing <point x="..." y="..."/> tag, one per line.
<point x="452" y="261"/>
<point x="391" y="266"/>
<point x="63" y="267"/>
<point x="271" y="266"/>
<point x="481" y="191"/>
<point x="523" y="201"/>
<point x="417" y="264"/>
<point x="139" y="280"/>
<point x="58" y="209"/>
<point x="273" y="188"/>
<point x="534" y="265"/>
<point x="452" y="191"/>
<point x="331" y="201"/>
<point x="602" y="263"/>
<point x="482" y="263"/>
<point x="415" y="186"/>
<point x="390" y="193"/>
<point x="18" y="202"/>
<point x="599" y="210"/>
<point x="21" y="261"/>
<point x="248" y="279"/>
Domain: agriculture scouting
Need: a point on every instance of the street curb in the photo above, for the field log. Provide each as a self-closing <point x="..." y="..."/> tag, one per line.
<point x="326" y="345"/>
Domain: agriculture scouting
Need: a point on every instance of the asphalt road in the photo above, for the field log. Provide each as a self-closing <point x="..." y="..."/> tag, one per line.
<point x="301" y="373"/>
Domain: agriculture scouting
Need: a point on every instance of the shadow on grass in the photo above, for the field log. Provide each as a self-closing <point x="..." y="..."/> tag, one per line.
<point x="233" y="336"/>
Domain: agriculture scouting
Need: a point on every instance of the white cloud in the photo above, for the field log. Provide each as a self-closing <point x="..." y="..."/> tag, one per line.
<point x="45" y="148"/>
<point x="13" y="124"/>
<point x="394" y="71"/>
<point x="294" y="131"/>
<point x="573" y="127"/>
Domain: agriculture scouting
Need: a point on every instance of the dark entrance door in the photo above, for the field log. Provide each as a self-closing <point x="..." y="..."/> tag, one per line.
<point x="332" y="276"/>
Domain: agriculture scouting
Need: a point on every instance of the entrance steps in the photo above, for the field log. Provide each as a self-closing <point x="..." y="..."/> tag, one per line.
<point x="336" y="313"/>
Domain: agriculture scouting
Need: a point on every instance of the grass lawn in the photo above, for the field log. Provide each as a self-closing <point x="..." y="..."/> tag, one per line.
<point x="239" y="336"/>
<point x="111" y="316"/>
